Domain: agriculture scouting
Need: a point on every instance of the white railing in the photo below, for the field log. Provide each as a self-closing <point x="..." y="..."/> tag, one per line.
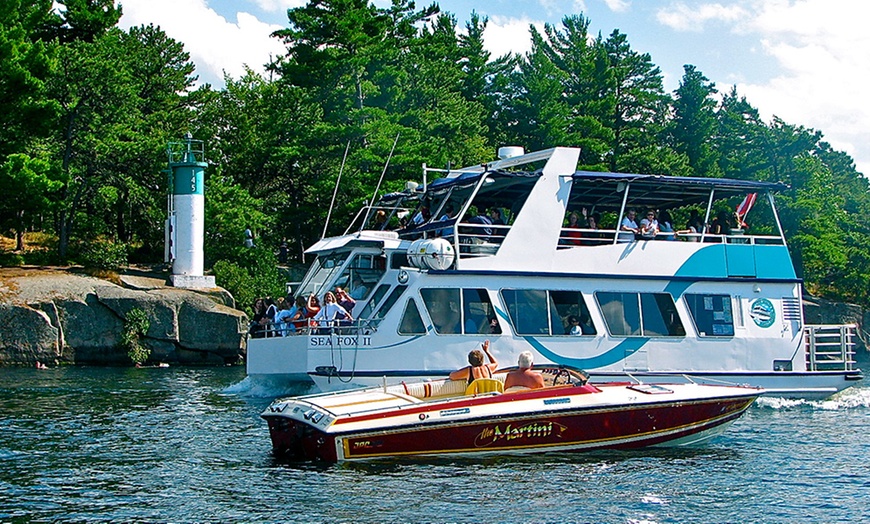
<point x="830" y="347"/>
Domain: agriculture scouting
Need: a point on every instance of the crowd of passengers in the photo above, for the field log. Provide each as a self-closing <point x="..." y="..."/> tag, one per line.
<point x="653" y="226"/>
<point x="291" y="316"/>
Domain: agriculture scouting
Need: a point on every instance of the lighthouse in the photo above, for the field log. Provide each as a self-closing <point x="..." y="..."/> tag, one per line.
<point x="185" y="226"/>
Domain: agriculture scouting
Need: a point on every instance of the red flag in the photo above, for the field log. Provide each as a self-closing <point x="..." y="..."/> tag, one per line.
<point x="744" y="208"/>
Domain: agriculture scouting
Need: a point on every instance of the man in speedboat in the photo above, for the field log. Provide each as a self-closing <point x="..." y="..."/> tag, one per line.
<point x="524" y="376"/>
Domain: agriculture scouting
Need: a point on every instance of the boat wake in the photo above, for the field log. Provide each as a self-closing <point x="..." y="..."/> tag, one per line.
<point x="853" y="398"/>
<point x="263" y="387"/>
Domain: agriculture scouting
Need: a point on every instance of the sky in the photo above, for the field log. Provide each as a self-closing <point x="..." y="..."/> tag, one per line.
<point x="804" y="61"/>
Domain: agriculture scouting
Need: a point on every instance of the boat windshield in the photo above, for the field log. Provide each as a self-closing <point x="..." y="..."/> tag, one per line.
<point x="321" y="272"/>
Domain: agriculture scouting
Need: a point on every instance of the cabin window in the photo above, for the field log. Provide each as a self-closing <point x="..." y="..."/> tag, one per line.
<point x="540" y="312"/>
<point x="640" y="314"/>
<point x="455" y="311"/>
<point x="387" y="305"/>
<point x="527" y="309"/>
<point x="444" y="308"/>
<point x="412" y="322"/>
<point x="479" y="317"/>
<point x="712" y="314"/>
<point x="376" y="298"/>
<point x="569" y="314"/>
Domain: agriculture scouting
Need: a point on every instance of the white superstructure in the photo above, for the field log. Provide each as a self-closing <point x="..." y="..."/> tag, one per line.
<point x="436" y="279"/>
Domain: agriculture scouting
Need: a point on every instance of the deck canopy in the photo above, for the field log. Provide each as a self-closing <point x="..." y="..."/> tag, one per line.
<point x="604" y="191"/>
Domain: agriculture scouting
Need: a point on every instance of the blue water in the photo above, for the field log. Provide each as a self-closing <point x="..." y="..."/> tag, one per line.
<point x="187" y="445"/>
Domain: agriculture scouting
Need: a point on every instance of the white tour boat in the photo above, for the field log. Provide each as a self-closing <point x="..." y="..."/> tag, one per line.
<point x="433" y="279"/>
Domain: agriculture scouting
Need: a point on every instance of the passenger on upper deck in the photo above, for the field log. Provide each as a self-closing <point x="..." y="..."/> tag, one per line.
<point x="380" y="220"/>
<point x="447" y="214"/>
<point x="693" y="227"/>
<point x="649" y="226"/>
<point x="479" y="234"/>
<point x="572" y="235"/>
<point x="286" y="311"/>
<point x="628" y="227"/>
<point x="524" y="376"/>
<point x="476" y="369"/>
<point x="298" y="320"/>
<point x="666" y="226"/>
<point x="721" y="225"/>
<point x="496" y="217"/>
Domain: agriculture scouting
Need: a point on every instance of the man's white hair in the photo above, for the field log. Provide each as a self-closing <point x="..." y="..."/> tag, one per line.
<point x="525" y="360"/>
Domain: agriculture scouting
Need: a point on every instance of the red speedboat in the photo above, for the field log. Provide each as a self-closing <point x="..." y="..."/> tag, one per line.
<point x="446" y="417"/>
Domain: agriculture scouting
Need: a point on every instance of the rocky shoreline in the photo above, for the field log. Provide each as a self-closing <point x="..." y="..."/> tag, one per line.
<point x="64" y="316"/>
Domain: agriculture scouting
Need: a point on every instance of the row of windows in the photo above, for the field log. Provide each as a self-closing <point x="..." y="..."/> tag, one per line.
<point x="549" y="313"/>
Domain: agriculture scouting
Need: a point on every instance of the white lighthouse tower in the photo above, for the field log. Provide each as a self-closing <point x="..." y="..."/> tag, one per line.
<point x="185" y="227"/>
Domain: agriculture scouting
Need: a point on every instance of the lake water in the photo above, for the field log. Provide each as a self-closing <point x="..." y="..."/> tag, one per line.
<point x="187" y="445"/>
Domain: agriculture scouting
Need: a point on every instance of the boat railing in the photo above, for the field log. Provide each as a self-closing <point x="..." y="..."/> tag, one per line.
<point x="479" y="240"/>
<point x="312" y="327"/>
<point x="830" y="347"/>
<point x="572" y="237"/>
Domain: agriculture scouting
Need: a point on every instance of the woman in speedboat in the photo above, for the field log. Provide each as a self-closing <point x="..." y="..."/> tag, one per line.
<point x="477" y="369"/>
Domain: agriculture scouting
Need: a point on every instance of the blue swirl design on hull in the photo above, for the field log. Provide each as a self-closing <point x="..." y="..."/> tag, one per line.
<point x="616" y="354"/>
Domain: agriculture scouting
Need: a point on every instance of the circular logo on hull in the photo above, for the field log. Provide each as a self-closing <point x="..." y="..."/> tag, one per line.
<point x="762" y="312"/>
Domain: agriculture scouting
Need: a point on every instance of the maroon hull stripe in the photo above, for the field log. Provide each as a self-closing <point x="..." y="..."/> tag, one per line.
<point x="588" y="429"/>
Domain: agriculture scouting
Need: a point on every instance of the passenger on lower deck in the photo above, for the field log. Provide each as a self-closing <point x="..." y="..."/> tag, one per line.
<point x="524" y="376"/>
<point x="331" y="311"/>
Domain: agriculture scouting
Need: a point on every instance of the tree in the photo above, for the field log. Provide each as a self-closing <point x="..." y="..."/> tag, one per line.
<point x="694" y="123"/>
<point x="27" y="178"/>
<point x="122" y="98"/>
<point x="640" y="107"/>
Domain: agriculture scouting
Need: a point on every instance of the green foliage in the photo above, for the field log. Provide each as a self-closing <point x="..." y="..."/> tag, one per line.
<point x="136" y="325"/>
<point x="103" y="254"/>
<point x="249" y="273"/>
<point x="11" y="259"/>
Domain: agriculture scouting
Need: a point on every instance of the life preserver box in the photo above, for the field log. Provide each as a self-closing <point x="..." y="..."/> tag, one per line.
<point x="431" y="253"/>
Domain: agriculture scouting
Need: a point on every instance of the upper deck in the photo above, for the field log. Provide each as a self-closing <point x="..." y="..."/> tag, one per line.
<point x="511" y="215"/>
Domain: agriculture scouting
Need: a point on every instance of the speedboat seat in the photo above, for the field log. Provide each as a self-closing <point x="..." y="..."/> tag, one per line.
<point x="485" y="385"/>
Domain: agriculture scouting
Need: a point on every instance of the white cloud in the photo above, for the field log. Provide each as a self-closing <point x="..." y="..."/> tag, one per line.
<point x="214" y="43"/>
<point x="509" y="35"/>
<point x="278" y="6"/>
<point x="682" y="17"/>
<point x="618" y="6"/>
<point x="824" y="51"/>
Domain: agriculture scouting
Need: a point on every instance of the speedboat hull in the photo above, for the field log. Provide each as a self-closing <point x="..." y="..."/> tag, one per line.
<point x="371" y="424"/>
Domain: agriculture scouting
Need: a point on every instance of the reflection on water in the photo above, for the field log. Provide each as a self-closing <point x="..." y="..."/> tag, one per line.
<point x="188" y="445"/>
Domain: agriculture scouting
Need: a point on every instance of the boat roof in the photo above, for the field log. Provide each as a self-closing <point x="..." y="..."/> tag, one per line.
<point x="661" y="191"/>
<point x="601" y="189"/>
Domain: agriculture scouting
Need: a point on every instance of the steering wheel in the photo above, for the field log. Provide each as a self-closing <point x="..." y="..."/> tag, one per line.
<point x="558" y="374"/>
